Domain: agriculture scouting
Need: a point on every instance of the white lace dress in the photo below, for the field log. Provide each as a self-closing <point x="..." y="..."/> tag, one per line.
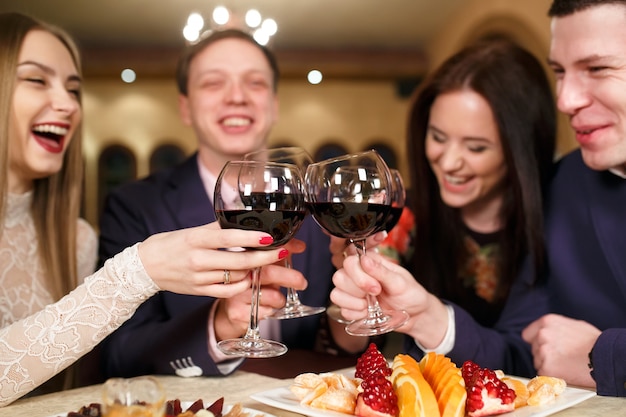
<point x="38" y="338"/>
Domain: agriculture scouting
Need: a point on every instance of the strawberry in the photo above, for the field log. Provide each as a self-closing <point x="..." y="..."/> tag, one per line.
<point x="371" y="360"/>
<point x="487" y="395"/>
<point x="378" y="398"/>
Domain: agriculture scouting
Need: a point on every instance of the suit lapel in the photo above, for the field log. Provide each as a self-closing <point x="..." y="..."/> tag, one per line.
<point x="185" y="196"/>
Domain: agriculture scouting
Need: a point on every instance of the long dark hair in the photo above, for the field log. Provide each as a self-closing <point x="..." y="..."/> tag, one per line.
<point x="516" y="87"/>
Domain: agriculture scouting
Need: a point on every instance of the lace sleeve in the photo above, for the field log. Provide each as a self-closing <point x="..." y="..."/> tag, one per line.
<point x="87" y="249"/>
<point x="36" y="348"/>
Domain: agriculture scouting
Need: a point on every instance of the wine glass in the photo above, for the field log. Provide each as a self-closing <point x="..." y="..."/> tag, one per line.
<point x="398" y="201"/>
<point x="289" y="155"/>
<point x="350" y="197"/>
<point x="263" y="196"/>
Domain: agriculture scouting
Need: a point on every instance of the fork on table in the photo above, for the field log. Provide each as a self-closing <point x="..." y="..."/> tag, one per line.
<point x="185" y="367"/>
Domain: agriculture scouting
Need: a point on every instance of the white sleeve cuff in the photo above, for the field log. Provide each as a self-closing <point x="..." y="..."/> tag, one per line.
<point x="447" y="344"/>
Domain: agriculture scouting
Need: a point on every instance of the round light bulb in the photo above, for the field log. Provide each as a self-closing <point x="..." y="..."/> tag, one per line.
<point x="261" y="37"/>
<point x="314" y="77"/>
<point x="269" y="26"/>
<point x="221" y="15"/>
<point x="195" y="21"/>
<point x="128" y="76"/>
<point x="191" y="34"/>
<point x="253" y="18"/>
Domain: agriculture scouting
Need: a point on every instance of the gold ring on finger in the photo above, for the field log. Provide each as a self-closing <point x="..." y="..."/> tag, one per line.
<point x="227" y="276"/>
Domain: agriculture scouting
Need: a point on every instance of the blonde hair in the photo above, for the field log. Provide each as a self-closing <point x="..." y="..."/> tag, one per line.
<point x="56" y="199"/>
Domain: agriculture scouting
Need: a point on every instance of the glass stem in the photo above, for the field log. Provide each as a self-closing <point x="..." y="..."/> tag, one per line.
<point x="374" y="312"/>
<point x="252" y="334"/>
<point x="292" y="295"/>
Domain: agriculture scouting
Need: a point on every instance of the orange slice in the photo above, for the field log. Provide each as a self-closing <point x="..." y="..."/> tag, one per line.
<point x="415" y="396"/>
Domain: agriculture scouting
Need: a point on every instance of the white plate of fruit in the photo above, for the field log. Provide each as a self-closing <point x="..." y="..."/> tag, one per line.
<point x="434" y="386"/>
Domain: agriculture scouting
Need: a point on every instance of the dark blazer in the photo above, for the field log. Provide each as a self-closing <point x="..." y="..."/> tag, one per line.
<point x="586" y="238"/>
<point x="171" y="326"/>
<point x="585" y="227"/>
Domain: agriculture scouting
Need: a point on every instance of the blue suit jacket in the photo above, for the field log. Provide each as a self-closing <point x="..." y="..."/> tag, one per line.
<point x="586" y="238"/>
<point x="585" y="226"/>
<point x="172" y="326"/>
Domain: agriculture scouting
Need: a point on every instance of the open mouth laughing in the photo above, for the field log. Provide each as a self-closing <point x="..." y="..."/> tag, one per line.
<point x="50" y="136"/>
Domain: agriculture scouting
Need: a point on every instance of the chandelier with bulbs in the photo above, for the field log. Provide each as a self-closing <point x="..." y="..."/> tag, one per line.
<point x="222" y="18"/>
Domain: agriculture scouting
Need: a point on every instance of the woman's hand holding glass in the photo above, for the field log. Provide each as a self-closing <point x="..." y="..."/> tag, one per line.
<point x="350" y="197"/>
<point x="394" y="288"/>
<point x="192" y="261"/>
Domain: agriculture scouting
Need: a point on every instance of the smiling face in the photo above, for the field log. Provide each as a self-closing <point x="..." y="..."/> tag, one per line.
<point x="588" y="56"/>
<point x="464" y="150"/>
<point x="231" y="103"/>
<point x="45" y="110"/>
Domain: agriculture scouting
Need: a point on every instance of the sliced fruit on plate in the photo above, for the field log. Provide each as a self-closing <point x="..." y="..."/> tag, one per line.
<point x="378" y="398"/>
<point x="447" y="382"/>
<point x="487" y="395"/>
<point x="415" y="396"/>
<point x="544" y="389"/>
<point x="371" y="360"/>
<point x="521" y="391"/>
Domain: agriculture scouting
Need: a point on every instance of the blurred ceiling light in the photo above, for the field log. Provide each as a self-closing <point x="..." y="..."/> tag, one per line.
<point x="195" y="21"/>
<point x="314" y="77"/>
<point x="191" y="34"/>
<point x="269" y="26"/>
<point x="253" y="18"/>
<point x="128" y="76"/>
<point x="221" y="17"/>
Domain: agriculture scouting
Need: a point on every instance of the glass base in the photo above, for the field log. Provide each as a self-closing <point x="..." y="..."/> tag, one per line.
<point x="296" y="311"/>
<point x="258" y="348"/>
<point x="382" y="323"/>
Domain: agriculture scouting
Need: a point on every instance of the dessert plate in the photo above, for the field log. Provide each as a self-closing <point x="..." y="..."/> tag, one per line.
<point x="249" y="412"/>
<point x="283" y="398"/>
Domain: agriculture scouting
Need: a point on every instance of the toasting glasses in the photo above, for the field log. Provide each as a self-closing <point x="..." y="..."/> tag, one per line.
<point x="350" y="197"/>
<point x="398" y="201"/>
<point x="291" y="155"/>
<point x="268" y="197"/>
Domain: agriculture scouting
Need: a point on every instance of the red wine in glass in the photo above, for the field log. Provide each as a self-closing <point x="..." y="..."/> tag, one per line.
<point x="293" y="308"/>
<point x="398" y="200"/>
<point x="350" y="197"/>
<point x="263" y="196"/>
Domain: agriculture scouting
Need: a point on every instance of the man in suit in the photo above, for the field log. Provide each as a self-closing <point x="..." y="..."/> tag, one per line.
<point x="227" y="84"/>
<point x="584" y="341"/>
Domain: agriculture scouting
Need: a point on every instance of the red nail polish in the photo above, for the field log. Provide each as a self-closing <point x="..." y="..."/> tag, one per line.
<point x="283" y="254"/>
<point x="266" y="240"/>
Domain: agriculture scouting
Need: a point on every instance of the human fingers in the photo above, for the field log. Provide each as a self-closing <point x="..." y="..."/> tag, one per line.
<point x="398" y="288"/>
<point x="351" y="307"/>
<point x="214" y="237"/>
<point x="280" y="276"/>
<point x="529" y="333"/>
<point x="232" y="316"/>
<point x="352" y="279"/>
<point x="270" y="299"/>
<point x="196" y="250"/>
<point x="295" y="246"/>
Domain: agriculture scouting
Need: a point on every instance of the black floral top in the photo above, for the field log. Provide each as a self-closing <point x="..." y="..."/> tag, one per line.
<point x="479" y="278"/>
